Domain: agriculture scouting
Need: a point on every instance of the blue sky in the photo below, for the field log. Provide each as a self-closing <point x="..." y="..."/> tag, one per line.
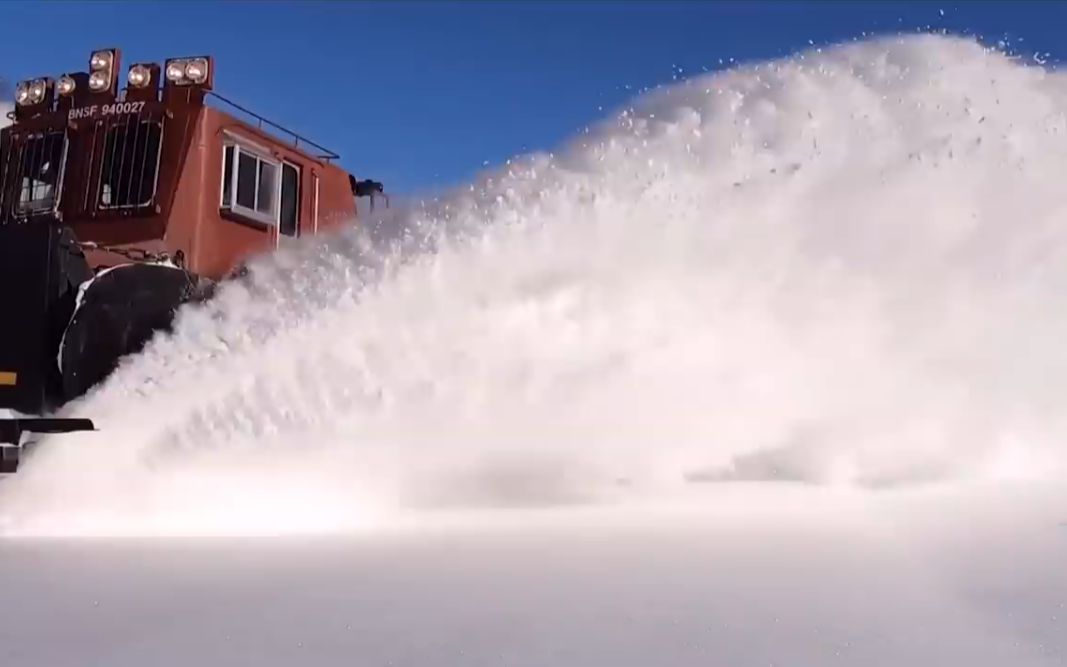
<point x="421" y="95"/>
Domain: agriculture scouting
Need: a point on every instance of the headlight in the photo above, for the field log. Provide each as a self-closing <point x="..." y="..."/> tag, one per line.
<point x="99" y="81"/>
<point x="188" y="71"/>
<point x="176" y="71"/>
<point x="139" y="76"/>
<point x="100" y="61"/>
<point x="22" y="93"/>
<point x="196" y="70"/>
<point x="37" y="90"/>
<point x="65" y="85"/>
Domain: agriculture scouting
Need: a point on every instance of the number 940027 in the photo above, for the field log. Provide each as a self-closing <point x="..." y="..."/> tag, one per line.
<point x="105" y="110"/>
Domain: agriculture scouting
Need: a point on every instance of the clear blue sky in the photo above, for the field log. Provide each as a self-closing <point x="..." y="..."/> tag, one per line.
<point x="422" y="94"/>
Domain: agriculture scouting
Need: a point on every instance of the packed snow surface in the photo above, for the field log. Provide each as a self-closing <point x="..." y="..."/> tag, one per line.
<point x="768" y="367"/>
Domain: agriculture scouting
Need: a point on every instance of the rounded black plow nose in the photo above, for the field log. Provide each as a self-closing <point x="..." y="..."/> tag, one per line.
<point x="11" y="431"/>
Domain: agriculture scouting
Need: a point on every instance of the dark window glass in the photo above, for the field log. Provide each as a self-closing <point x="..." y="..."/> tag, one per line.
<point x="227" y="177"/>
<point x="268" y="184"/>
<point x="130" y="164"/>
<point x="290" y="214"/>
<point x="247" y="168"/>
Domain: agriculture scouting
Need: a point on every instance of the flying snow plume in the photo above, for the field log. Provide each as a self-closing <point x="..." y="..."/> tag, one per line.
<point x="842" y="268"/>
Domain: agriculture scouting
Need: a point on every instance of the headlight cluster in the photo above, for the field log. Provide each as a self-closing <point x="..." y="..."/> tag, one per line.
<point x="102" y="71"/>
<point x="192" y="71"/>
<point x="28" y="93"/>
<point x="187" y="71"/>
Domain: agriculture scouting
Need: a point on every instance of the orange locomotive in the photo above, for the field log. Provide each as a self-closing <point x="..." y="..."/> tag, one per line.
<point x="116" y="207"/>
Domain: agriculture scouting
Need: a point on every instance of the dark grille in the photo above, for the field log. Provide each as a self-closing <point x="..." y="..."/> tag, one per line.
<point x="127" y="148"/>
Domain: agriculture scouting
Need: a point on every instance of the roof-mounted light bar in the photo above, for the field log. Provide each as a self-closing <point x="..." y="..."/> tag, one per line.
<point x="99" y="85"/>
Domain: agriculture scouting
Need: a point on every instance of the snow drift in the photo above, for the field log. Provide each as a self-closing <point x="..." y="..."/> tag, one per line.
<point x="841" y="268"/>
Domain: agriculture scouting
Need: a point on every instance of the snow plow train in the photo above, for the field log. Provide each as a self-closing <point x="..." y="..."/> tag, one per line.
<point x="120" y="204"/>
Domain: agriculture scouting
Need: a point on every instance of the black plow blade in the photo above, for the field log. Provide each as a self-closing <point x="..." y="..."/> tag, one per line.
<point x="11" y="431"/>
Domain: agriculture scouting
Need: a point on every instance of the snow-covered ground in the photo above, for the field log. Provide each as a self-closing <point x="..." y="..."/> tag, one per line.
<point x="756" y="576"/>
<point x="766" y="369"/>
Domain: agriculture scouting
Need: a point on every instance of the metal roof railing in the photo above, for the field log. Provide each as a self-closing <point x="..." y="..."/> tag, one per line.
<point x="323" y="152"/>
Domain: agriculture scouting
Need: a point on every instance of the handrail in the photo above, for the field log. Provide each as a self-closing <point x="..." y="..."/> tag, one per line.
<point x="325" y="154"/>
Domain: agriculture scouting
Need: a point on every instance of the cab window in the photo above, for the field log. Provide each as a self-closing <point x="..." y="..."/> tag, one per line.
<point x="261" y="188"/>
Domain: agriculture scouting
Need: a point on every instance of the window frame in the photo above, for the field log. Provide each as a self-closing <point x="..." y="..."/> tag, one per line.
<point x="239" y="210"/>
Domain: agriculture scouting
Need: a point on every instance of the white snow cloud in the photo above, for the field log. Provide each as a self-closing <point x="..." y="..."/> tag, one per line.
<point x="824" y="269"/>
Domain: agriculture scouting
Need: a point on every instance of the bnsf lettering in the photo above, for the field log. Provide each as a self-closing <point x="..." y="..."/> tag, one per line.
<point x="105" y="110"/>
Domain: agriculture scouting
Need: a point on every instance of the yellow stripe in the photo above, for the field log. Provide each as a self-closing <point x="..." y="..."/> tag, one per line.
<point x="8" y="379"/>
